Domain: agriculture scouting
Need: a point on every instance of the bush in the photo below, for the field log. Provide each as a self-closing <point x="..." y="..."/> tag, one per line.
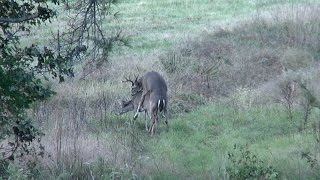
<point x="246" y="165"/>
<point x="9" y="170"/>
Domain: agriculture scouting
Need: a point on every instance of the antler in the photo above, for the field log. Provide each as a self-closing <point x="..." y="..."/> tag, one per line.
<point x="128" y="80"/>
<point x="136" y="78"/>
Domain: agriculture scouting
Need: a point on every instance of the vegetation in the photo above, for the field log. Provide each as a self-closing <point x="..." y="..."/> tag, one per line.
<point x="247" y="165"/>
<point x="25" y="70"/>
<point x="20" y="68"/>
<point x="244" y="96"/>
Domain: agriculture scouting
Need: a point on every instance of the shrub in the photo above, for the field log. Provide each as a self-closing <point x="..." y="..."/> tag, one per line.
<point x="246" y="165"/>
<point x="9" y="170"/>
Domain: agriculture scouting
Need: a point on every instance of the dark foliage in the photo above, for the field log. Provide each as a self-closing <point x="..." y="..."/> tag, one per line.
<point x="23" y="71"/>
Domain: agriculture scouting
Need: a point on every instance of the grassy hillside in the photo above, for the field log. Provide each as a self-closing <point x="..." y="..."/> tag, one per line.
<point x="228" y="65"/>
<point x="199" y="143"/>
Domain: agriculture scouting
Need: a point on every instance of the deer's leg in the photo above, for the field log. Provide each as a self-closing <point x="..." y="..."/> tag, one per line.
<point x="151" y="123"/>
<point x="146" y="120"/>
<point x="164" y="113"/>
<point x="154" y="124"/>
<point x="151" y="114"/>
<point x="140" y="104"/>
<point x="154" y="121"/>
<point x="165" y="116"/>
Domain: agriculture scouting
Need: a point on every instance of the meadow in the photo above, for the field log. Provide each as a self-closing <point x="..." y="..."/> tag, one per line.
<point x="228" y="65"/>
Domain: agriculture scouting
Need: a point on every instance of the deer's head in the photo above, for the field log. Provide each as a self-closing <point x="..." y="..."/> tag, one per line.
<point x="136" y="85"/>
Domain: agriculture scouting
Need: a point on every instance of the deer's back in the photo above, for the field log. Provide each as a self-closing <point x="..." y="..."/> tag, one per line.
<point x="154" y="82"/>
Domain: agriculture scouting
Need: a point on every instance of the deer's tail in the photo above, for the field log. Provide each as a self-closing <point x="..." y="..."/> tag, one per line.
<point x="161" y="104"/>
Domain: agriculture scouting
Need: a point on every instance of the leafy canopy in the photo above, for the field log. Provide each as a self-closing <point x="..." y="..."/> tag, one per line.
<point x="24" y="69"/>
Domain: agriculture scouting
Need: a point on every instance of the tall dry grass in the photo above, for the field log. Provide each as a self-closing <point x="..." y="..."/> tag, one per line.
<point x="270" y="45"/>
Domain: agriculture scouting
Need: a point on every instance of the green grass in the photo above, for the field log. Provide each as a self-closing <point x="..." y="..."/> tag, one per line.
<point x="155" y="25"/>
<point x="197" y="143"/>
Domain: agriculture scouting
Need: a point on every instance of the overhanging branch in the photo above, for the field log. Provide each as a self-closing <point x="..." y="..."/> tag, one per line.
<point x="19" y="19"/>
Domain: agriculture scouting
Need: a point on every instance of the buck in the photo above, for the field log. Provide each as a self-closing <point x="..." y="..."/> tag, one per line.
<point x="149" y="94"/>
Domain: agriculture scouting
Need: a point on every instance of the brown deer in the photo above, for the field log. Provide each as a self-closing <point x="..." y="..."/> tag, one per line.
<point x="132" y="105"/>
<point x="153" y="89"/>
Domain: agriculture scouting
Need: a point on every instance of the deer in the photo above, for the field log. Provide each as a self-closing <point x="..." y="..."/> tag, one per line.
<point x="132" y="105"/>
<point x="151" y="92"/>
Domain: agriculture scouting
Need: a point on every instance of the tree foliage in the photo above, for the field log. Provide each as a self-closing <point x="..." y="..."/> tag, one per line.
<point x="24" y="70"/>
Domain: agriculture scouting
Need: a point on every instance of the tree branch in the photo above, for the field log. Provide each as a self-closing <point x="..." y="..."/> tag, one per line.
<point x="19" y="19"/>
